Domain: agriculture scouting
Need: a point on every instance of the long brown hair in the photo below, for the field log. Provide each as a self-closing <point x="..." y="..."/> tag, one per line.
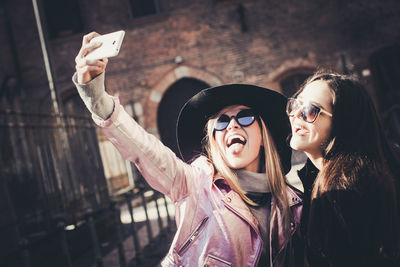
<point x="273" y="168"/>
<point x="357" y="151"/>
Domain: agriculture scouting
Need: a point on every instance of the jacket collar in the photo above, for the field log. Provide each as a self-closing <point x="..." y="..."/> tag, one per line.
<point x="222" y="185"/>
<point x="307" y="175"/>
<point x="235" y="203"/>
<point x="294" y="195"/>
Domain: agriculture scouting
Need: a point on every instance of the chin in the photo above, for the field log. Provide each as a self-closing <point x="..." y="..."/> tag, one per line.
<point x="236" y="166"/>
<point x="233" y="164"/>
<point x="297" y="145"/>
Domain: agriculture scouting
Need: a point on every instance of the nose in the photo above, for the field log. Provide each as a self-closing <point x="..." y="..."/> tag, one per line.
<point x="297" y="113"/>
<point x="232" y="124"/>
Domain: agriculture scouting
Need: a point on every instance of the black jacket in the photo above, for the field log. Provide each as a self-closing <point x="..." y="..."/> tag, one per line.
<point x="343" y="227"/>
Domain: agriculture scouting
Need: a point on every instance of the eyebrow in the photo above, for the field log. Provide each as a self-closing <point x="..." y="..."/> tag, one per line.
<point x="311" y="102"/>
<point x="317" y="104"/>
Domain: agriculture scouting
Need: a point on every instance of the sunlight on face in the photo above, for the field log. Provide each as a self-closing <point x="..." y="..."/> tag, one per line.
<point x="311" y="137"/>
<point x="239" y="146"/>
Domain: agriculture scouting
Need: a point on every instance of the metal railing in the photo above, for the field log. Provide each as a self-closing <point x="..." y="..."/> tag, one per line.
<point x="135" y="233"/>
<point x="56" y="207"/>
<point x="139" y="238"/>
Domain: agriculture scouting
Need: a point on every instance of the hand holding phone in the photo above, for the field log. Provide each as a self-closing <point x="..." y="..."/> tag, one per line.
<point x="111" y="44"/>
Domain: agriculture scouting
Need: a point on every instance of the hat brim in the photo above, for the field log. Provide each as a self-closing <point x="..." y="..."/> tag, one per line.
<point x="269" y="104"/>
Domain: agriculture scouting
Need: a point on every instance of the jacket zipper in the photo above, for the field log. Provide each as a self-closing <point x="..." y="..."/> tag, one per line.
<point x="193" y="236"/>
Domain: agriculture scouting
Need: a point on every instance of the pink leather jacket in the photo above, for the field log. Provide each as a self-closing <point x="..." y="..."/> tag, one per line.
<point x="215" y="227"/>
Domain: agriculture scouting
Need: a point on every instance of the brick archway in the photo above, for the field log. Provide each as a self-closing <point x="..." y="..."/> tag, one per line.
<point x="289" y="68"/>
<point x="286" y="70"/>
<point x="156" y="93"/>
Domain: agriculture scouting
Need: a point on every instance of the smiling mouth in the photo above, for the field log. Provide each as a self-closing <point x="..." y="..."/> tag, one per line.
<point x="236" y="140"/>
<point x="300" y="130"/>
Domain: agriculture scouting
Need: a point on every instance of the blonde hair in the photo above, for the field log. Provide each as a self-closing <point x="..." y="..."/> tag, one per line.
<point x="273" y="170"/>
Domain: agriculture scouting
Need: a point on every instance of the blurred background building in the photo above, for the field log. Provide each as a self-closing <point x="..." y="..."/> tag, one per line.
<point x="57" y="170"/>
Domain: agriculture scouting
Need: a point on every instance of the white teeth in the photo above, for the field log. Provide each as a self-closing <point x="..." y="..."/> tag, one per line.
<point x="239" y="139"/>
<point x="297" y="128"/>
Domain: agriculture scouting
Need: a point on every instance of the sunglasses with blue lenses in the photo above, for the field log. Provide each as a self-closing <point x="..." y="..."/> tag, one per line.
<point x="244" y="118"/>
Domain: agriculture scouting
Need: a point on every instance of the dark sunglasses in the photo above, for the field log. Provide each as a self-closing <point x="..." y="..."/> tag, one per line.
<point x="308" y="112"/>
<point x="244" y="118"/>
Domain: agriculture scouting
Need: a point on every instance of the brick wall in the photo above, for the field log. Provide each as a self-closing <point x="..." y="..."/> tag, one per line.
<point x="281" y="36"/>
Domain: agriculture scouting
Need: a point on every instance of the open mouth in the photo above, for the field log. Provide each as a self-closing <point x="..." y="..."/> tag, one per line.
<point x="236" y="139"/>
<point x="300" y="130"/>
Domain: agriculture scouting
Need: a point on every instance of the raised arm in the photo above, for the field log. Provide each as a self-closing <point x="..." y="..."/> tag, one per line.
<point x="93" y="95"/>
<point x="158" y="164"/>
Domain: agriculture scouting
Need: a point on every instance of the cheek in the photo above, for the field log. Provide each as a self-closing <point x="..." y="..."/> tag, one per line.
<point x="256" y="142"/>
<point x="291" y="119"/>
<point x="255" y="139"/>
<point x="322" y="131"/>
<point x="326" y="128"/>
<point x="219" y="139"/>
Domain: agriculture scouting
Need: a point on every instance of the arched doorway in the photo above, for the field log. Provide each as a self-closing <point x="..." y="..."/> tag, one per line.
<point x="168" y="110"/>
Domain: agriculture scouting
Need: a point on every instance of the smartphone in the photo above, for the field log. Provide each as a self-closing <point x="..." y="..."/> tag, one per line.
<point x="111" y="43"/>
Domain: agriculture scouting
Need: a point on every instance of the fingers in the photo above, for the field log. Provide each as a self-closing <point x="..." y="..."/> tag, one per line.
<point x="87" y="46"/>
<point x="87" y="72"/>
<point x="105" y="61"/>
<point x="86" y="39"/>
<point x="83" y="76"/>
<point x="99" y="63"/>
<point x="86" y="49"/>
<point x="88" y="69"/>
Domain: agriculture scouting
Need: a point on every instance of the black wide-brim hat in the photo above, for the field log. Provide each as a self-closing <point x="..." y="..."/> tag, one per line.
<point x="268" y="104"/>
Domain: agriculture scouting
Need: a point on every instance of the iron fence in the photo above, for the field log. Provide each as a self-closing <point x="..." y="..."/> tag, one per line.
<point x="55" y="205"/>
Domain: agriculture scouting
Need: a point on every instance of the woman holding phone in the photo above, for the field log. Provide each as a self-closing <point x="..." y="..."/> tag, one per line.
<point x="233" y="204"/>
<point x="350" y="212"/>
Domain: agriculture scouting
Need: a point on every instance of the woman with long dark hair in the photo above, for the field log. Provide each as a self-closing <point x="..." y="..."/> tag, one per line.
<point x="350" y="216"/>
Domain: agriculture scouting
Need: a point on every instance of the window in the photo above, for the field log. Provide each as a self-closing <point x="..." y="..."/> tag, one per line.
<point x="144" y="8"/>
<point x="62" y="17"/>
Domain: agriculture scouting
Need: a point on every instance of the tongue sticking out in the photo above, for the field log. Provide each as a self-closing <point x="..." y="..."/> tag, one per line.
<point x="236" y="145"/>
<point x="236" y="148"/>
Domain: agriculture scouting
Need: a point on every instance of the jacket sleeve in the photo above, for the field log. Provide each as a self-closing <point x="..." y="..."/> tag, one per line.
<point x="161" y="168"/>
